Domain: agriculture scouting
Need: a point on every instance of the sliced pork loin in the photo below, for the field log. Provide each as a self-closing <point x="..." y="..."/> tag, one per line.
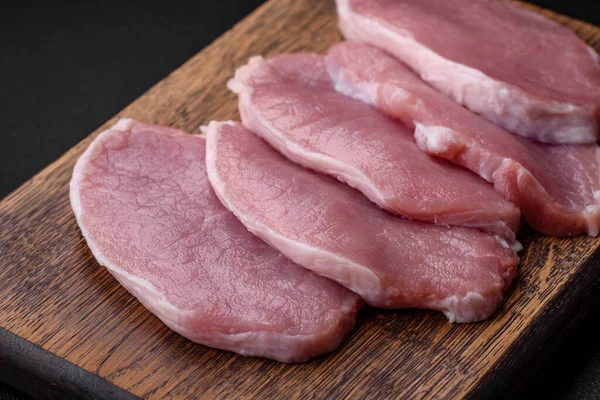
<point x="290" y="101"/>
<point x="335" y="231"/>
<point x="146" y="209"/>
<point x="516" y="68"/>
<point x="557" y="187"/>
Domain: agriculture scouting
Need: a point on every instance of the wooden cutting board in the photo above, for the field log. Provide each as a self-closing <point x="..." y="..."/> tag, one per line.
<point x="55" y="295"/>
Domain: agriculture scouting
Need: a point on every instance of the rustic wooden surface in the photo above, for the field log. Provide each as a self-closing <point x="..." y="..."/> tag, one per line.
<point x="54" y="294"/>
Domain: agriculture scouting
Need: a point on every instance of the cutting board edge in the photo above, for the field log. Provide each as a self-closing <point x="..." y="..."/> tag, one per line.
<point x="532" y="348"/>
<point x="78" y="148"/>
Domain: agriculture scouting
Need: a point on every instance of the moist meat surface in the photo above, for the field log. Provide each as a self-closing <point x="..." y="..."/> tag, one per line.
<point x="290" y="101"/>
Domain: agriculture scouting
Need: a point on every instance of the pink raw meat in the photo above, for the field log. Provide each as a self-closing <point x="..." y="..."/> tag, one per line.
<point x="518" y="69"/>
<point x="145" y="207"/>
<point x="557" y="187"/>
<point x="290" y="101"/>
<point x="335" y="231"/>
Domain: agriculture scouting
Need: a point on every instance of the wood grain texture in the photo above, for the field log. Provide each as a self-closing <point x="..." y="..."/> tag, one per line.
<point x="54" y="294"/>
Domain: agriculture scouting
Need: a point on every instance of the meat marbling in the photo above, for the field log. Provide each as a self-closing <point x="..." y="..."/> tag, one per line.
<point x="145" y="207"/>
<point x="557" y="187"/>
<point x="333" y="230"/>
<point x="518" y="69"/>
<point x="290" y="101"/>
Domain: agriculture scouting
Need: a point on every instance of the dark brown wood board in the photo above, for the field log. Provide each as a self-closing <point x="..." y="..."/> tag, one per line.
<point x="55" y="295"/>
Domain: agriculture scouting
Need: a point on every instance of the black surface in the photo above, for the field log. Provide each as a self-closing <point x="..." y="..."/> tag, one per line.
<point x="525" y="370"/>
<point x="40" y="373"/>
<point x="568" y="369"/>
<point x="68" y="67"/>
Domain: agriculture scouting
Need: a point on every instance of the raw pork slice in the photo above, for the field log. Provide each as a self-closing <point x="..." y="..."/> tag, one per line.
<point x="146" y="209"/>
<point x="289" y="100"/>
<point x="514" y="67"/>
<point x="333" y="230"/>
<point x="557" y="187"/>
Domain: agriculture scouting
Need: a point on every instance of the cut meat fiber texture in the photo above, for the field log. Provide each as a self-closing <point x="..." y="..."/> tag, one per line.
<point x="516" y="68"/>
<point x="557" y="187"/>
<point x="332" y="229"/>
<point x="146" y="209"/>
<point x="289" y="100"/>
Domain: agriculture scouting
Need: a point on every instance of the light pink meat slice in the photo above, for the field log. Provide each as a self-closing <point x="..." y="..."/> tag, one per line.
<point x="333" y="230"/>
<point x="290" y="101"/>
<point x="516" y="68"/>
<point x="557" y="187"/>
<point x="146" y="209"/>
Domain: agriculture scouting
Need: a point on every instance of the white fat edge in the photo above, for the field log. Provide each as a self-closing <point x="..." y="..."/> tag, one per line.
<point x="363" y="91"/>
<point x="215" y="125"/>
<point x="464" y="309"/>
<point x="123" y="124"/>
<point x="268" y="234"/>
<point x="437" y="138"/>
<point x="591" y="214"/>
<point x="514" y="245"/>
<point x="595" y="57"/>
<point x="238" y="83"/>
<point x="515" y="102"/>
<point x="488" y="167"/>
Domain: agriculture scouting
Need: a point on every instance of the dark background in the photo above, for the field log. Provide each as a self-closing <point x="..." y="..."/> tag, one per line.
<point x="66" y="67"/>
